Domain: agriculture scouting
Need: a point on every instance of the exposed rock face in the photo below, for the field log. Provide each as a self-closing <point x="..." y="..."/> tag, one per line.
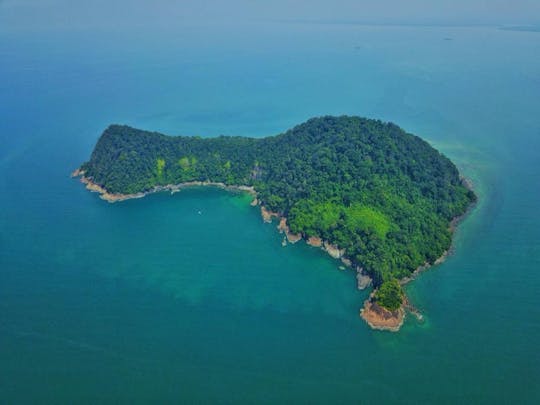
<point x="381" y="318"/>
<point x="77" y="173"/>
<point x="314" y="241"/>
<point x="104" y="194"/>
<point x="284" y="228"/>
<point x="293" y="237"/>
<point x="363" y="280"/>
<point x="333" y="250"/>
<point x="173" y="188"/>
<point x="376" y="316"/>
<point x="268" y="215"/>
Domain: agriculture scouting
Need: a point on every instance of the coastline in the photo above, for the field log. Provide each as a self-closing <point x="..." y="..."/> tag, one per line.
<point x="363" y="280"/>
<point x="376" y="317"/>
<point x="173" y="188"/>
<point x="450" y="251"/>
<point x="382" y="319"/>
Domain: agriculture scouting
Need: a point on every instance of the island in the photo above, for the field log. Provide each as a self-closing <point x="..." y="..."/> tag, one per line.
<point x="379" y="199"/>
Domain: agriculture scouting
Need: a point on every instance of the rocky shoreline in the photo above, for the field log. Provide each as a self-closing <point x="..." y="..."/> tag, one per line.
<point x="377" y="317"/>
<point x="363" y="280"/>
<point x="173" y="188"/>
<point x="382" y="319"/>
<point x="453" y="225"/>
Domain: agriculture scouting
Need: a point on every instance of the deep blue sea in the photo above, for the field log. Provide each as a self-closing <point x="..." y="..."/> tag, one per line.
<point x="149" y="300"/>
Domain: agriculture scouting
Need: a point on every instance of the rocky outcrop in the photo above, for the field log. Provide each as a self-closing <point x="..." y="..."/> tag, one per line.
<point x="293" y="237"/>
<point x="363" y="280"/>
<point x="381" y="318"/>
<point x="173" y="188"/>
<point x="267" y="215"/>
<point x="314" y="241"/>
<point x="104" y="194"/>
<point x="375" y="315"/>
<point x="284" y="228"/>
<point x="333" y="250"/>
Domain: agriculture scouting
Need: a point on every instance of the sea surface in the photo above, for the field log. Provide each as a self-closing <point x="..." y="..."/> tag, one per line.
<point x="191" y="297"/>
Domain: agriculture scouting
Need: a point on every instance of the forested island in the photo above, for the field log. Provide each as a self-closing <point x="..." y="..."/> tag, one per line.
<point x="378" y="198"/>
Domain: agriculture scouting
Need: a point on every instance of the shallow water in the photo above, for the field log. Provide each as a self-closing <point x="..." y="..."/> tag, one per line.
<point x="149" y="300"/>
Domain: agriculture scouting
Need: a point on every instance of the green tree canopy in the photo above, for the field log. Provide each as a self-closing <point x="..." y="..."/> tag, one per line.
<point x="384" y="196"/>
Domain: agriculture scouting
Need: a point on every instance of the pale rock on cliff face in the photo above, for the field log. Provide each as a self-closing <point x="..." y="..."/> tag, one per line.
<point x="333" y="251"/>
<point x="268" y="215"/>
<point x="363" y="280"/>
<point x="284" y="228"/>
<point x="314" y="241"/>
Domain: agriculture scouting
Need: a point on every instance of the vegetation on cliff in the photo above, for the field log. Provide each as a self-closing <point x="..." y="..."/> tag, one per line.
<point x="389" y="295"/>
<point x="382" y="195"/>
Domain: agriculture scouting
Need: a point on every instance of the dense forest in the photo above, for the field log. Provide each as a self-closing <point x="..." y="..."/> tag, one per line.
<point x="384" y="196"/>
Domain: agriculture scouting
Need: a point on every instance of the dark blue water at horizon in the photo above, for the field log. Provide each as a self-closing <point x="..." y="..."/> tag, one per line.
<point x="148" y="300"/>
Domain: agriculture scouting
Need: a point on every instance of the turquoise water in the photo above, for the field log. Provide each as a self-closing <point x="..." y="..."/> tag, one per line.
<point x="150" y="300"/>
